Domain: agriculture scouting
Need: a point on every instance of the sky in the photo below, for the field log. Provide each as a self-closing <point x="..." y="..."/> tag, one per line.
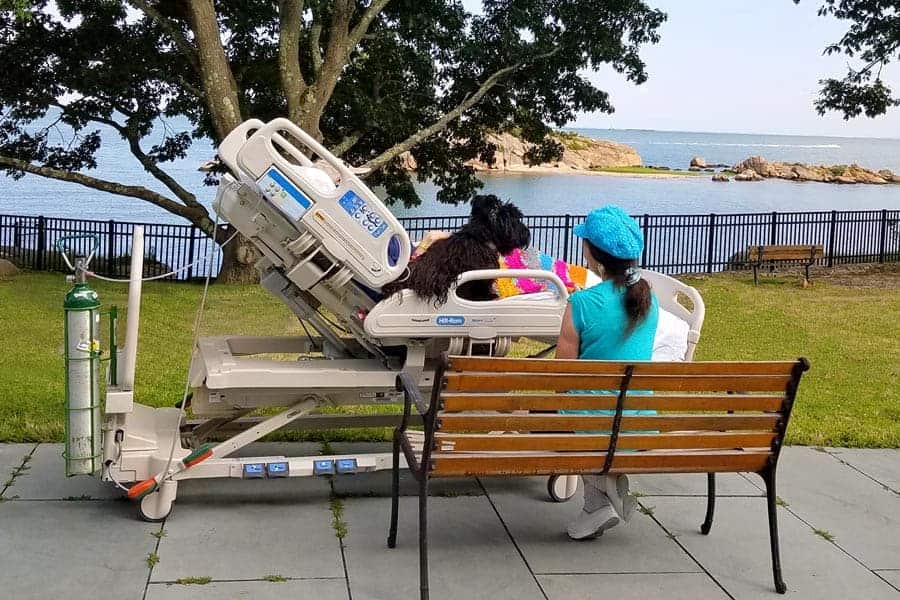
<point x="749" y="66"/>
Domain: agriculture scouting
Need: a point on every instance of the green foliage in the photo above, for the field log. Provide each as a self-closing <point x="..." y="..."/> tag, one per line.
<point x="275" y="578"/>
<point x="20" y="8"/>
<point x="152" y="559"/>
<point x="193" y="580"/>
<point x="873" y="39"/>
<point x="824" y="534"/>
<point x="648" y="171"/>
<point x="337" y="518"/>
<point x="100" y="64"/>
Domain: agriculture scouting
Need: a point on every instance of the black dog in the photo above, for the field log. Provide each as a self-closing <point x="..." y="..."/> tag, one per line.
<point x="495" y="228"/>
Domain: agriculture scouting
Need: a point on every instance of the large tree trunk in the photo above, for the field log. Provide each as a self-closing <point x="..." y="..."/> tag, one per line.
<point x="238" y="262"/>
<point x="219" y="87"/>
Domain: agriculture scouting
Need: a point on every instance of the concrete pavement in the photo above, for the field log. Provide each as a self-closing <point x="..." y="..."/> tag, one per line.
<point x="319" y="539"/>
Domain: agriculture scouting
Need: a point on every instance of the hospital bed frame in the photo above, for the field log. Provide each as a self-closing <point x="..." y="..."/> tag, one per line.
<point x="325" y="253"/>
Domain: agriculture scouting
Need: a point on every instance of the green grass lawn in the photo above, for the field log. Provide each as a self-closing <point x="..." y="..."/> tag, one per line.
<point x="649" y="171"/>
<point x="851" y="397"/>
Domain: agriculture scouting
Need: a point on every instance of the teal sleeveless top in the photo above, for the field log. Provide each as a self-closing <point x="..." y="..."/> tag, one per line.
<point x="599" y="317"/>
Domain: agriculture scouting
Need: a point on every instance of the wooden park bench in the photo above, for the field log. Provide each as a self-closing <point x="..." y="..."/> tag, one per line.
<point x="712" y="417"/>
<point x="806" y="253"/>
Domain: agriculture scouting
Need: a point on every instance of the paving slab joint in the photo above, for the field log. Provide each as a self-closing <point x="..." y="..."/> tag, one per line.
<point x="18" y="472"/>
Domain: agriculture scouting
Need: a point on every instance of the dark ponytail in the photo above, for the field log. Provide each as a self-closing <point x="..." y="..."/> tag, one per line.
<point x="637" y="295"/>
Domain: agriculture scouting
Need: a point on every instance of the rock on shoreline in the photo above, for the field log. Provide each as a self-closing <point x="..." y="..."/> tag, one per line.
<point x="580" y="153"/>
<point x="849" y="174"/>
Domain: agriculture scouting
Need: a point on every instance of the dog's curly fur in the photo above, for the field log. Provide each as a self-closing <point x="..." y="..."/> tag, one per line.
<point x="494" y="228"/>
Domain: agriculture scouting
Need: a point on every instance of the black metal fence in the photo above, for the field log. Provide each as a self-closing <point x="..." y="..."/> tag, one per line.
<point x="674" y="243"/>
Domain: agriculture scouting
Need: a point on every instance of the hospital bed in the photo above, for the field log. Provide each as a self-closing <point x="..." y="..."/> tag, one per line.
<point x="326" y="250"/>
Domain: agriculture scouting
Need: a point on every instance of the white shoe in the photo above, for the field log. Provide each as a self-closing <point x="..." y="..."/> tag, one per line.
<point x="620" y="498"/>
<point x="592" y="524"/>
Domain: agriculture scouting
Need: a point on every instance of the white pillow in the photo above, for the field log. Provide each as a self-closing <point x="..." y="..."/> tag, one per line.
<point x="671" y="340"/>
<point x="317" y="178"/>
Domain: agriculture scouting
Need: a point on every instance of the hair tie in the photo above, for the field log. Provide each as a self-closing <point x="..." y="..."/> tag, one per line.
<point x="632" y="276"/>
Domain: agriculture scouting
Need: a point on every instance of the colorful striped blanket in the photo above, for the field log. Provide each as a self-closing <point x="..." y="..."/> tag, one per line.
<point x="572" y="276"/>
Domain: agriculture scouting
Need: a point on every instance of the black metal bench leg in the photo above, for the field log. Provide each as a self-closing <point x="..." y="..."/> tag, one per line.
<point x="710" y="503"/>
<point x="395" y="492"/>
<point x="769" y="478"/>
<point x="423" y="537"/>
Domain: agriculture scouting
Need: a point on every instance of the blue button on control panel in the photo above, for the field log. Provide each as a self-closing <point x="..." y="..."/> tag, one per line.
<point x="323" y="467"/>
<point x="277" y="469"/>
<point x="346" y="466"/>
<point x="254" y="470"/>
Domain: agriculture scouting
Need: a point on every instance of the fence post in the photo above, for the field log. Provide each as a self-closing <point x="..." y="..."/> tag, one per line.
<point x="567" y="233"/>
<point x="712" y="239"/>
<point x="190" y="271"/>
<point x="110" y="247"/>
<point x="883" y="236"/>
<point x="831" y="235"/>
<point x="774" y="229"/>
<point x="41" y="244"/>
<point x="646" y="230"/>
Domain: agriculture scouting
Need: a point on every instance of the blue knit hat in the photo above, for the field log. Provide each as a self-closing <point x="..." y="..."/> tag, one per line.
<point x="613" y="231"/>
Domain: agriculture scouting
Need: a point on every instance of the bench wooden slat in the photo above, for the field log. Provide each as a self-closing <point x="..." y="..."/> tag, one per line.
<point x="664" y="422"/>
<point x="590" y="367"/>
<point x="448" y="443"/>
<point x="560" y="463"/>
<point x="785" y="252"/>
<point x="460" y="402"/>
<point x="499" y="382"/>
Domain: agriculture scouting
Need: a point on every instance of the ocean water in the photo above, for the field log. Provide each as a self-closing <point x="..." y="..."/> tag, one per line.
<point x="534" y="193"/>
<point x="675" y="148"/>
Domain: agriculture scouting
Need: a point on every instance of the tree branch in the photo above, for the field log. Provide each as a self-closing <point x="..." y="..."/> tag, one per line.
<point x="133" y="191"/>
<point x="315" y="34"/>
<point x="341" y="43"/>
<point x="184" y="46"/>
<point x="290" y="19"/>
<point x="439" y="125"/>
<point x="150" y="165"/>
<point x="336" y="51"/>
<point x="345" y="144"/>
<point x="366" y="21"/>
<point x="220" y="88"/>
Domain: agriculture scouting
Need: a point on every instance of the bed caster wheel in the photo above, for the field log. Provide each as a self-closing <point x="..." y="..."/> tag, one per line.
<point x="156" y="506"/>
<point x="561" y="488"/>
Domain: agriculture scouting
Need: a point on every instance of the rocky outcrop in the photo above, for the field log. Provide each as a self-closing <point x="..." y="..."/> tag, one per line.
<point x="579" y="154"/>
<point x="847" y="174"/>
<point x="720" y="177"/>
<point x="7" y="269"/>
<point x="748" y="175"/>
<point x="698" y="161"/>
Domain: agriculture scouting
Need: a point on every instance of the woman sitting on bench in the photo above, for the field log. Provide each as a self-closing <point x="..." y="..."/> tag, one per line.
<point x="614" y="320"/>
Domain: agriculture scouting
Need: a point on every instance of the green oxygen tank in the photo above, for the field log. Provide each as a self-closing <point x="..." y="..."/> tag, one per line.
<point x="82" y="360"/>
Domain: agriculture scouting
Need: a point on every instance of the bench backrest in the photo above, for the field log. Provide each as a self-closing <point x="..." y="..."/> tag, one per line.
<point x="488" y="416"/>
<point x="785" y="252"/>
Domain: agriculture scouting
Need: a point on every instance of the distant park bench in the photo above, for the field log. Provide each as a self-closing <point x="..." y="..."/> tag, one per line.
<point x="712" y="417"/>
<point x="760" y="255"/>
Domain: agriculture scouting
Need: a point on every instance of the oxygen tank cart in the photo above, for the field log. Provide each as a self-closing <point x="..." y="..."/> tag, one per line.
<point x="81" y="307"/>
